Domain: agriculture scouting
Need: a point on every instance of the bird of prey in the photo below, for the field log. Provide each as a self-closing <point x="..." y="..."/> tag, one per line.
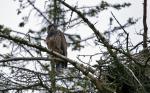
<point x="56" y="41"/>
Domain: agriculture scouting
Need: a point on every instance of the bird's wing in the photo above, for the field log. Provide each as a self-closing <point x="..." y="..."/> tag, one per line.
<point x="63" y="44"/>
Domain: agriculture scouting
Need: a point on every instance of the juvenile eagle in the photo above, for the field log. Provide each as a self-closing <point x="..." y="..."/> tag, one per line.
<point x="56" y="41"/>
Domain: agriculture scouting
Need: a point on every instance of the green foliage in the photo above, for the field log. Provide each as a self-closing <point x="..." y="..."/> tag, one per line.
<point x="55" y="12"/>
<point x="4" y="30"/>
<point x="92" y="12"/>
<point x="118" y="6"/>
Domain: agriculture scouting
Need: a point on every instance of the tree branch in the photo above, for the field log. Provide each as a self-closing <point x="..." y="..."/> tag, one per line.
<point x="39" y="11"/>
<point x="78" y="66"/>
<point x="127" y="38"/>
<point x="28" y="70"/>
<point x="145" y="24"/>
<point x="28" y="59"/>
<point x="99" y="36"/>
<point x="22" y="87"/>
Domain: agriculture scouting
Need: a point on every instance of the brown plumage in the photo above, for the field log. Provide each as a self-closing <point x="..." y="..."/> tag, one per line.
<point x="56" y="41"/>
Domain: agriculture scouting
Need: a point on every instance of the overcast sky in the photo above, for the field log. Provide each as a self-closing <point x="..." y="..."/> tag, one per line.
<point x="9" y="18"/>
<point x="8" y="8"/>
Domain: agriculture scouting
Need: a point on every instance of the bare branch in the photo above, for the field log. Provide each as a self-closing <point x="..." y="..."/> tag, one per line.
<point x="28" y="70"/>
<point x="127" y="39"/>
<point x="28" y="59"/>
<point x="99" y="36"/>
<point x="22" y="87"/>
<point x="85" y="70"/>
<point x="145" y="24"/>
<point x="39" y="11"/>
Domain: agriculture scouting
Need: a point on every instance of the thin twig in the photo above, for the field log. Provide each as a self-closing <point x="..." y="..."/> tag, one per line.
<point x="127" y="38"/>
<point x="80" y="67"/>
<point x="28" y="70"/>
<point x="136" y="78"/>
<point x="39" y="11"/>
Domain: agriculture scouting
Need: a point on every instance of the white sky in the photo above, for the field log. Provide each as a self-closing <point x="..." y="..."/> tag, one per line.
<point x="9" y="18"/>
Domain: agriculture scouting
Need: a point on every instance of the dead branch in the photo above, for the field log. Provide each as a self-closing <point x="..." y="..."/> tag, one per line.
<point x="145" y="24"/>
<point x="80" y="67"/>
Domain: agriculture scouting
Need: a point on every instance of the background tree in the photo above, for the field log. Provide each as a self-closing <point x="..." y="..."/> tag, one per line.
<point x="122" y="66"/>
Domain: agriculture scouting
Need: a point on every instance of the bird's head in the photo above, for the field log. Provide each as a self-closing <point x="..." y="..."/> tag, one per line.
<point x="51" y="29"/>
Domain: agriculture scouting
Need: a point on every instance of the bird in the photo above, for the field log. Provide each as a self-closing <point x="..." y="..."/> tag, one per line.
<point x="56" y="41"/>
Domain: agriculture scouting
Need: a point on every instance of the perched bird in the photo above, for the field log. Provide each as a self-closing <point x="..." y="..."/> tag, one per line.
<point x="56" y="41"/>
